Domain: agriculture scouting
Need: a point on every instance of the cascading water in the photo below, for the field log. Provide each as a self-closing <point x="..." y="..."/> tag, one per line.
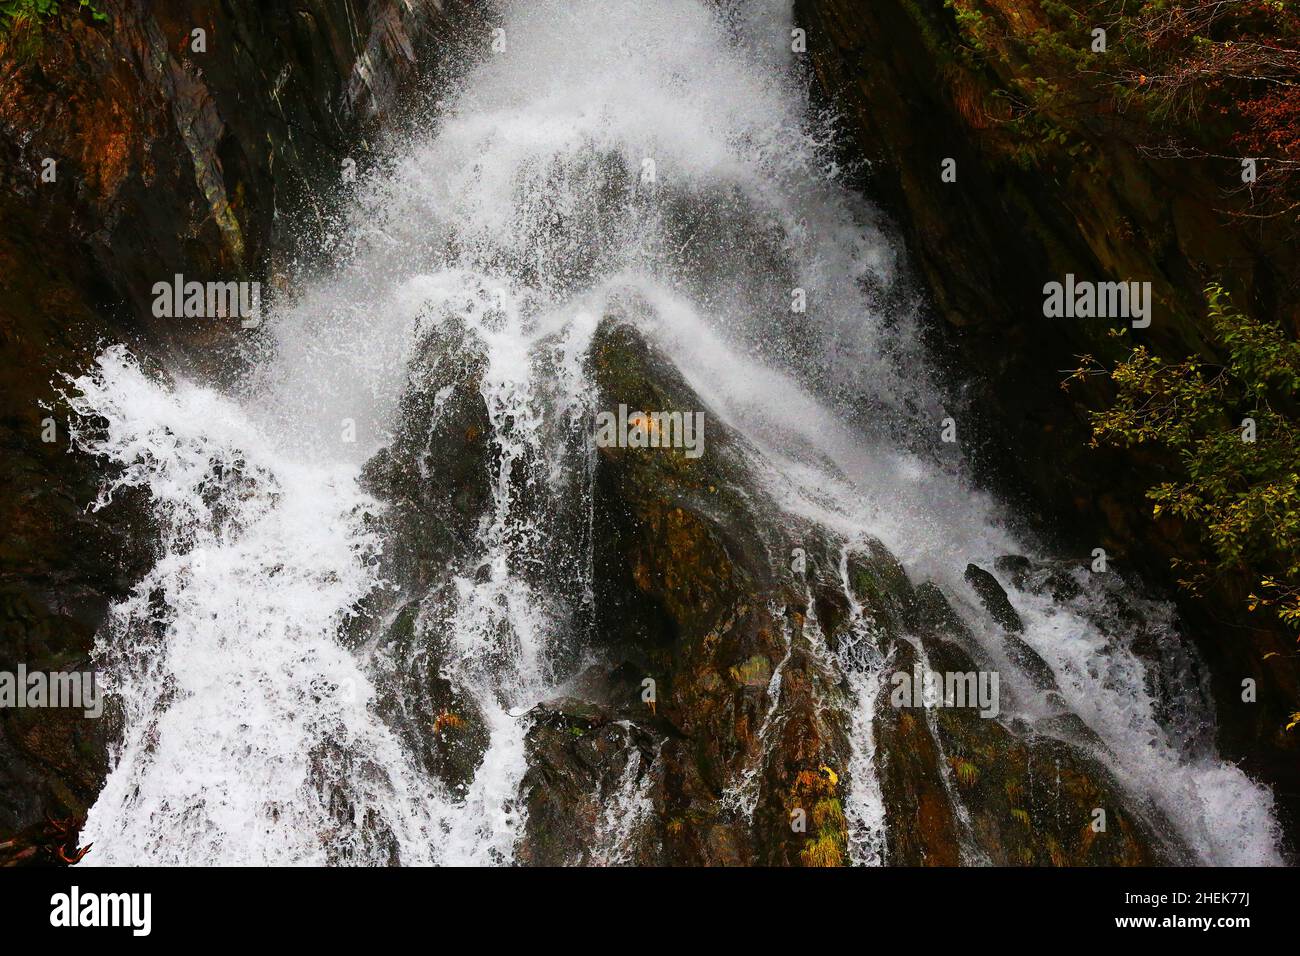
<point x="247" y="733"/>
<point x="651" y="157"/>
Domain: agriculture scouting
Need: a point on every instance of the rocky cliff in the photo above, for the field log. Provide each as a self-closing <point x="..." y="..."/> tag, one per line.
<point x="711" y="724"/>
<point x="1096" y="203"/>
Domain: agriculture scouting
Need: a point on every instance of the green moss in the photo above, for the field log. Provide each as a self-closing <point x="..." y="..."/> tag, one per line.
<point x="826" y="850"/>
<point x="22" y="23"/>
<point x="828" y="814"/>
<point x="967" y="773"/>
<point x="755" y="672"/>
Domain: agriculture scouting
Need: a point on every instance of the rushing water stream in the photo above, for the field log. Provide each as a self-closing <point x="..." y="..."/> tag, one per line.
<point x="645" y="156"/>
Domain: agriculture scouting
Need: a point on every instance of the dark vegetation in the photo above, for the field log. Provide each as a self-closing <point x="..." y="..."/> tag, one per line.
<point x="1190" y="80"/>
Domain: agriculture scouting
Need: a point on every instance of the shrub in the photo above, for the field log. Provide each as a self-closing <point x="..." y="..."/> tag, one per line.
<point x="16" y="14"/>
<point x="1233" y="430"/>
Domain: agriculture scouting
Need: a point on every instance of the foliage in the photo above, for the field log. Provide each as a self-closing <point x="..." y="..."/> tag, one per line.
<point x="967" y="773"/>
<point x="825" y="850"/>
<point x="1229" y="72"/>
<point x="1181" y="78"/>
<point x="1235" y="434"/>
<point x="827" y="847"/>
<point x="15" y="14"/>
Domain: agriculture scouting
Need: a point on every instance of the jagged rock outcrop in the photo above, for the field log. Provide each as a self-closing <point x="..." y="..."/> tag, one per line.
<point x="435" y="478"/>
<point x="693" y="594"/>
<point x="743" y="757"/>
<point x="1025" y="797"/>
<point x="585" y="788"/>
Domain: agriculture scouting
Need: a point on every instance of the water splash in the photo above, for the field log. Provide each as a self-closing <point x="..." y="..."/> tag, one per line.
<point x="247" y="732"/>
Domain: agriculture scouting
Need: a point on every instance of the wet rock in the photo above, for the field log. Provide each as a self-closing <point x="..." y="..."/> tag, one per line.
<point x="994" y="599"/>
<point x="1019" y="795"/>
<point x="1032" y="800"/>
<point x="1035" y="802"/>
<point x="921" y="823"/>
<point x="880" y="584"/>
<point x="933" y="613"/>
<point x="758" y="710"/>
<point x="586" y="788"/>
<point x="1014" y="566"/>
<point x="435" y="479"/>
<point x="60" y="568"/>
<point x="936" y="620"/>
<point x="1042" y="577"/>
<point x="713" y="731"/>
<point x="998" y="605"/>
<point x="1066" y="726"/>
<point x="437" y="718"/>
<point x="208" y="164"/>
<point x="1031" y="663"/>
<point x="804" y="776"/>
<point x="691" y="582"/>
<point x="436" y="475"/>
<point x="816" y="585"/>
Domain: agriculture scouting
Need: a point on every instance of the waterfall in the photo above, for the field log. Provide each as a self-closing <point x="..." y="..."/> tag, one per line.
<point x="654" y="158"/>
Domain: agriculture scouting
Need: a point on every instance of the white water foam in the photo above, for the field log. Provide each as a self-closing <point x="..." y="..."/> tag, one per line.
<point x="248" y="737"/>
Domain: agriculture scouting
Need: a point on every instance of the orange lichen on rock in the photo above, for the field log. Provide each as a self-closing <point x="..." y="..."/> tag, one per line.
<point x="447" y="720"/>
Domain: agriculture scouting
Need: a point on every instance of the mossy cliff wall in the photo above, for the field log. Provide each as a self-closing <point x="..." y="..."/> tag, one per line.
<point x="1092" y="203"/>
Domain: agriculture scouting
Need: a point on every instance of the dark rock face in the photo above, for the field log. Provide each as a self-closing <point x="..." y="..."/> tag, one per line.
<point x="742" y="754"/>
<point x="168" y="160"/>
<point x="999" y="606"/>
<point x="437" y="471"/>
<point x="984" y="246"/>
<point x="962" y="787"/>
<point x="583" y="765"/>
<point x="684" y="562"/>
<point x="435" y="478"/>
<point x="994" y="599"/>
<point x="1055" y="581"/>
<point x="205" y="162"/>
<point x="438" y="720"/>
